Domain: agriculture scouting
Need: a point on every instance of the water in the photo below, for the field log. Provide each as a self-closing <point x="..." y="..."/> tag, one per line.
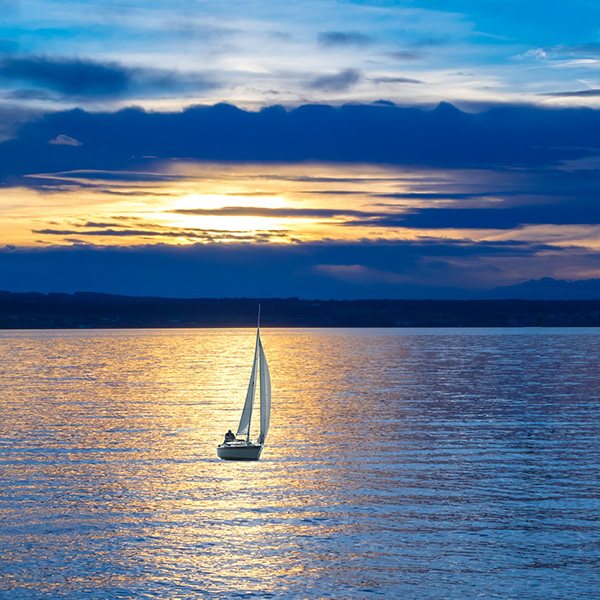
<point x="417" y="464"/>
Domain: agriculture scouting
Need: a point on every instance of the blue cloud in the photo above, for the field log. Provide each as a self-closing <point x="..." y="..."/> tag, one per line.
<point x="573" y="212"/>
<point x="338" y="82"/>
<point x="361" y="270"/>
<point x="510" y="136"/>
<point x="69" y="76"/>
<point x="589" y="93"/>
<point x="94" y="79"/>
<point x="395" y="80"/>
<point x="343" y="38"/>
<point x="408" y="55"/>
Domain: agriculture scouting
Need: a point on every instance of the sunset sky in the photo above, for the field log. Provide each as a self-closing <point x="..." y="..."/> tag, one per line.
<point x="318" y="149"/>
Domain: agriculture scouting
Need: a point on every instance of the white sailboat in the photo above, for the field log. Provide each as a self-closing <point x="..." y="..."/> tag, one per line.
<point x="240" y="446"/>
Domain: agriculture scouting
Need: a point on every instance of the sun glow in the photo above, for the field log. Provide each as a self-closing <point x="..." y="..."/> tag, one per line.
<point x="214" y="201"/>
<point x="180" y="213"/>
<point x="189" y="203"/>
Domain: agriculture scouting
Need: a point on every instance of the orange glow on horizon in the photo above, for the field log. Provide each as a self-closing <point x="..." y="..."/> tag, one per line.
<point x="187" y="203"/>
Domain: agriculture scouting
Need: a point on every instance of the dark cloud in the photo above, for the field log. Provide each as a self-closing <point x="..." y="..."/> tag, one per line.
<point x="343" y="38"/>
<point x="395" y="80"/>
<point x="27" y="94"/>
<point x="360" y="270"/>
<point x="338" y="82"/>
<point x="168" y="82"/>
<point x="466" y="195"/>
<point x="573" y="212"/>
<point x="107" y="176"/>
<point x="137" y="227"/>
<point x="69" y="76"/>
<point x="591" y="93"/>
<point x="93" y="79"/>
<point x="104" y="232"/>
<point x="139" y="193"/>
<point x="161" y="233"/>
<point x="12" y="117"/>
<point x="333" y="192"/>
<point x="405" y="55"/>
<point x="99" y="224"/>
<point x="113" y="143"/>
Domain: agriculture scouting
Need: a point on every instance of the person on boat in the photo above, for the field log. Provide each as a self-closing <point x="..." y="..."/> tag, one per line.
<point x="229" y="437"/>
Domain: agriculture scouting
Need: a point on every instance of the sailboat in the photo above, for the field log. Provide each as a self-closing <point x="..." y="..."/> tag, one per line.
<point x="240" y="446"/>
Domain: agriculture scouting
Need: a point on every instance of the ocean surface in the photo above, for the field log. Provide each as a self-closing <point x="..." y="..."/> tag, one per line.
<point x="409" y="464"/>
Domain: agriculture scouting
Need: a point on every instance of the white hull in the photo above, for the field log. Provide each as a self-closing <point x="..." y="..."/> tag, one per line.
<point x="237" y="451"/>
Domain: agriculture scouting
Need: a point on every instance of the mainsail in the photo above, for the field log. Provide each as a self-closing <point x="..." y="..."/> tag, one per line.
<point x="265" y="394"/>
<point x="244" y="426"/>
<point x="260" y="361"/>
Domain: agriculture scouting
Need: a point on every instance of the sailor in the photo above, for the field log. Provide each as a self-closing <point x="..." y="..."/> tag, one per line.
<point x="229" y="437"/>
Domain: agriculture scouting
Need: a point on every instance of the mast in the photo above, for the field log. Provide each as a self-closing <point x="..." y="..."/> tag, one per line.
<point x="254" y="370"/>
<point x="246" y="418"/>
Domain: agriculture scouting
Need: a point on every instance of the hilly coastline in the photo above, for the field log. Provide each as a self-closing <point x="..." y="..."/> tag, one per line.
<point x="93" y="310"/>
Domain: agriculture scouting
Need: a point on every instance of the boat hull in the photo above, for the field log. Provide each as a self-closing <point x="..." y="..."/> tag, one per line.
<point x="239" y="451"/>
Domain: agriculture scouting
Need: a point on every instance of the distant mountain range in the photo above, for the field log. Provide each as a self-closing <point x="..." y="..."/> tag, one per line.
<point x="546" y="289"/>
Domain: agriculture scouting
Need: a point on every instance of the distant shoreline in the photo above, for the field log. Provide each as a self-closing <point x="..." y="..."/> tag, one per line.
<point x="105" y="311"/>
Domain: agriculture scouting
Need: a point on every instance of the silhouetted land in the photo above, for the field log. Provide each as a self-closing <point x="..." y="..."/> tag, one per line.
<point x="82" y="309"/>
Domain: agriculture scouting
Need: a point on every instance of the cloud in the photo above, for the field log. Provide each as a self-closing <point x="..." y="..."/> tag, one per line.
<point x="431" y="41"/>
<point x="405" y="55"/>
<point x="113" y="144"/>
<point x="94" y="79"/>
<point x="395" y="80"/>
<point x="128" y="226"/>
<point x="95" y="230"/>
<point x="12" y="118"/>
<point x="483" y="194"/>
<point x="281" y="213"/>
<point x="589" y="49"/>
<point x="70" y="76"/>
<point x="343" y="38"/>
<point x="108" y="176"/>
<point x="572" y="212"/>
<point x="28" y="94"/>
<point x="336" y="83"/>
<point x="326" y="270"/>
<point x="64" y="140"/>
<point x="591" y="93"/>
<point x="196" y="29"/>
<point x="359" y="274"/>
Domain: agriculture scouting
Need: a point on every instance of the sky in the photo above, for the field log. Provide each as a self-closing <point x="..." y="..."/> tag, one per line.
<point x="323" y="149"/>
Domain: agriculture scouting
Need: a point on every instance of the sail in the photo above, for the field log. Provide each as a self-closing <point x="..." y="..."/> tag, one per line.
<point x="265" y="394"/>
<point x="244" y="426"/>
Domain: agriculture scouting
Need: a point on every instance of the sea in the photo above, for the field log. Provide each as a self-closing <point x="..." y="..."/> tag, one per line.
<point x="417" y="464"/>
